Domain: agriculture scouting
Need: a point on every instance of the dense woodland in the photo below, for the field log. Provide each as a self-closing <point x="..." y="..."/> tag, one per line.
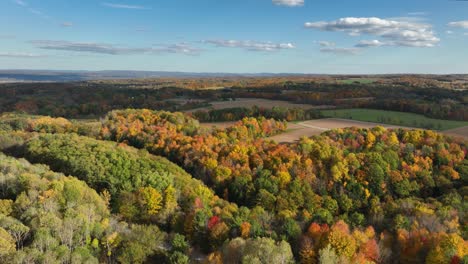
<point x="144" y="186"/>
<point x="442" y="97"/>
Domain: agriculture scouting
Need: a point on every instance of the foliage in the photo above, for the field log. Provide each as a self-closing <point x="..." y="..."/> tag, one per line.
<point x="349" y="195"/>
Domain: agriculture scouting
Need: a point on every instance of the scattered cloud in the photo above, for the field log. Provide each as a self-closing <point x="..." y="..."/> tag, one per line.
<point x="67" y="24"/>
<point x="341" y="51"/>
<point x="394" y="32"/>
<point x="370" y="43"/>
<point x="180" y="48"/>
<point x="459" y="24"/>
<point x="289" y="2"/>
<point x="327" y="44"/>
<point x="20" y="55"/>
<point x="20" y="2"/>
<point x="251" y="45"/>
<point x="109" y="49"/>
<point x="30" y="9"/>
<point x="449" y="32"/>
<point x="84" y="47"/>
<point x="122" y="6"/>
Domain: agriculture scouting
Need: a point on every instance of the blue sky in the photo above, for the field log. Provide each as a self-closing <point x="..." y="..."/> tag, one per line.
<point x="242" y="36"/>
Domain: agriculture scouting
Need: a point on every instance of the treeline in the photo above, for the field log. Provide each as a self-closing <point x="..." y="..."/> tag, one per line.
<point x="94" y="99"/>
<point x="82" y="100"/>
<point x="349" y="195"/>
<point x="238" y="113"/>
<point x="431" y="102"/>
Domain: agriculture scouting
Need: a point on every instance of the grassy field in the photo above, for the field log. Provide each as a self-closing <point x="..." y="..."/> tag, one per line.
<point x="394" y="118"/>
<point x="250" y="102"/>
<point x="357" y="80"/>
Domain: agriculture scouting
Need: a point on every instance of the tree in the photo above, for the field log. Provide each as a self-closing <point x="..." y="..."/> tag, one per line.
<point x="179" y="243"/>
<point x="6" y="207"/>
<point x="16" y="229"/>
<point x="141" y="242"/>
<point x="7" y="243"/>
<point x="150" y="200"/>
<point x="341" y="241"/>
<point x="328" y="255"/>
<point x="307" y="254"/>
<point x="178" y="257"/>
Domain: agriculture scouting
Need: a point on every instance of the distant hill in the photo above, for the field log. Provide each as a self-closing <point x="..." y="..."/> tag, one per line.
<point x="14" y="75"/>
<point x="64" y="76"/>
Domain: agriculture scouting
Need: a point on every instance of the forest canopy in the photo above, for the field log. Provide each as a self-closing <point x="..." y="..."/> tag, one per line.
<point x="168" y="190"/>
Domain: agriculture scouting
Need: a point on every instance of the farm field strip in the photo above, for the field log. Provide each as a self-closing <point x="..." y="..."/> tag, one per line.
<point x="462" y="131"/>
<point x="394" y="118"/>
<point x="316" y="127"/>
<point x="251" y="102"/>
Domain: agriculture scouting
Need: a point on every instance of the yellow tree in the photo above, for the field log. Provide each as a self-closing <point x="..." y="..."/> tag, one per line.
<point x="150" y="200"/>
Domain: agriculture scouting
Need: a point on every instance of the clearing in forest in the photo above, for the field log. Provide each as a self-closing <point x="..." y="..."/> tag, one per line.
<point x="394" y="118"/>
<point x="251" y="102"/>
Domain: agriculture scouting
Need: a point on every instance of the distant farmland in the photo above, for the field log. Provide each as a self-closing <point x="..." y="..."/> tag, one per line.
<point x="357" y="80"/>
<point x="250" y="102"/>
<point x="394" y="118"/>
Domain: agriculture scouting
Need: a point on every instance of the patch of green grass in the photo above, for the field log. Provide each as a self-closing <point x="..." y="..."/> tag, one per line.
<point x="394" y="118"/>
<point x="357" y="80"/>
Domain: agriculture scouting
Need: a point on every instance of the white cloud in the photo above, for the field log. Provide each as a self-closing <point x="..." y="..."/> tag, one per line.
<point x="327" y="43"/>
<point x="449" y="32"/>
<point x="20" y="55"/>
<point x="84" y="47"/>
<point x="32" y="10"/>
<point x="251" y="45"/>
<point x="370" y="43"/>
<point x="122" y="6"/>
<point x="67" y="24"/>
<point x="20" y="2"/>
<point x="180" y="48"/>
<point x="459" y="24"/>
<point x="289" y="2"/>
<point x="395" y="33"/>
<point x="342" y="51"/>
<point x="110" y="49"/>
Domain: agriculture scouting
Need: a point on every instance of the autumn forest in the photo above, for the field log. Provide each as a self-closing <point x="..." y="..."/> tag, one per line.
<point x="128" y="171"/>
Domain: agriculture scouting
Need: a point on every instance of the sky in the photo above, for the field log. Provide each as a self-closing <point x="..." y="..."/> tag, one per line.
<point x="236" y="36"/>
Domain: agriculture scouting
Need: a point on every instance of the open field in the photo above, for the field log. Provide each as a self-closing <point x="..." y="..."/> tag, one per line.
<point x="316" y="127"/>
<point x="394" y="118"/>
<point x="357" y="80"/>
<point x="458" y="132"/>
<point x="221" y="125"/>
<point x="250" y="102"/>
